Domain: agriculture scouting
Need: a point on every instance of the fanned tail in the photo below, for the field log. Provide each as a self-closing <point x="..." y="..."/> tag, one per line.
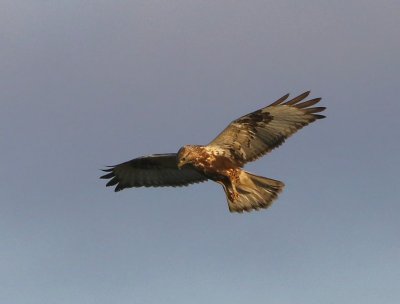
<point x="252" y="192"/>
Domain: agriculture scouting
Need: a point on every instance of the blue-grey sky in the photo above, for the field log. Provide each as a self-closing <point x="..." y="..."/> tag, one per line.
<point x="84" y="84"/>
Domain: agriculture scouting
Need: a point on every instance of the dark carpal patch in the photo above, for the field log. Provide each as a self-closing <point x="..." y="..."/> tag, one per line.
<point x="255" y="117"/>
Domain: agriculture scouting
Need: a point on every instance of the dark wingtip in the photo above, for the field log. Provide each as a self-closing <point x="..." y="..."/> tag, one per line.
<point x="319" y="116"/>
<point x="113" y="181"/>
<point x="107" y="176"/>
<point x="297" y="98"/>
<point x="109" y="168"/>
<point x="280" y="100"/>
<point x="118" y="188"/>
<point x="308" y="103"/>
<point x="109" y="172"/>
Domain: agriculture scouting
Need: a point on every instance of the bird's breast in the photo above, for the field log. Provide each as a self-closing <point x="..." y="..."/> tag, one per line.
<point x="214" y="165"/>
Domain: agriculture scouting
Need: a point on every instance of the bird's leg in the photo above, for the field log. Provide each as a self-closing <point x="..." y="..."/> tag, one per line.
<point x="233" y="194"/>
<point x="229" y="188"/>
<point x="233" y="179"/>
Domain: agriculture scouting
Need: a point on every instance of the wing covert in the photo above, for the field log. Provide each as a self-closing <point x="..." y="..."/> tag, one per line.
<point x="157" y="170"/>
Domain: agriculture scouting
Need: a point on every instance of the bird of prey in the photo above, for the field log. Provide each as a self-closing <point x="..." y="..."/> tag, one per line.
<point x="243" y="140"/>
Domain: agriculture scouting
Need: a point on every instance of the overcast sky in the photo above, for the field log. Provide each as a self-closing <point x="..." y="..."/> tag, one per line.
<point x="84" y="84"/>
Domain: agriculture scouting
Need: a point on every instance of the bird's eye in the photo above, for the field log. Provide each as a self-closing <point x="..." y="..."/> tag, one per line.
<point x="183" y="159"/>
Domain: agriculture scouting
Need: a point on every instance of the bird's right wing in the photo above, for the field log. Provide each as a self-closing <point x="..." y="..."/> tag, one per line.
<point x="157" y="170"/>
<point x="253" y="135"/>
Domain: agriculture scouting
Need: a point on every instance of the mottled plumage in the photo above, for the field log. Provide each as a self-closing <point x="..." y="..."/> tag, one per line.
<point x="243" y="140"/>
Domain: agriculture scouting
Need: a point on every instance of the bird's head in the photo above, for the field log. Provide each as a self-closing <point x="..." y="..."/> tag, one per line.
<point x="184" y="156"/>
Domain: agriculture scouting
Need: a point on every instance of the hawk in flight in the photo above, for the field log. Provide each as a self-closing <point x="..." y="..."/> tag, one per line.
<point x="243" y="140"/>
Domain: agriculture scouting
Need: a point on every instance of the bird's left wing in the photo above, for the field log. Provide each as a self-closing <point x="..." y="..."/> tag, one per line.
<point x="155" y="170"/>
<point x="255" y="134"/>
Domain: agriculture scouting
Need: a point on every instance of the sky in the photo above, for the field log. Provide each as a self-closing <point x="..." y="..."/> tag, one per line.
<point x="85" y="84"/>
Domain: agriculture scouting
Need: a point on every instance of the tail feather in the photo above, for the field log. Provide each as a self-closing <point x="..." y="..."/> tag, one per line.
<point x="252" y="192"/>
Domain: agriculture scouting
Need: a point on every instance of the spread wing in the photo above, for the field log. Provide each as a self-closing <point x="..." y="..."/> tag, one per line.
<point x="155" y="170"/>
<point x="255" y="134"/>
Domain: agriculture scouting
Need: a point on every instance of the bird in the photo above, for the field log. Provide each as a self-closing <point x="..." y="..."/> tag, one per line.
<point x="222" y="160"/>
